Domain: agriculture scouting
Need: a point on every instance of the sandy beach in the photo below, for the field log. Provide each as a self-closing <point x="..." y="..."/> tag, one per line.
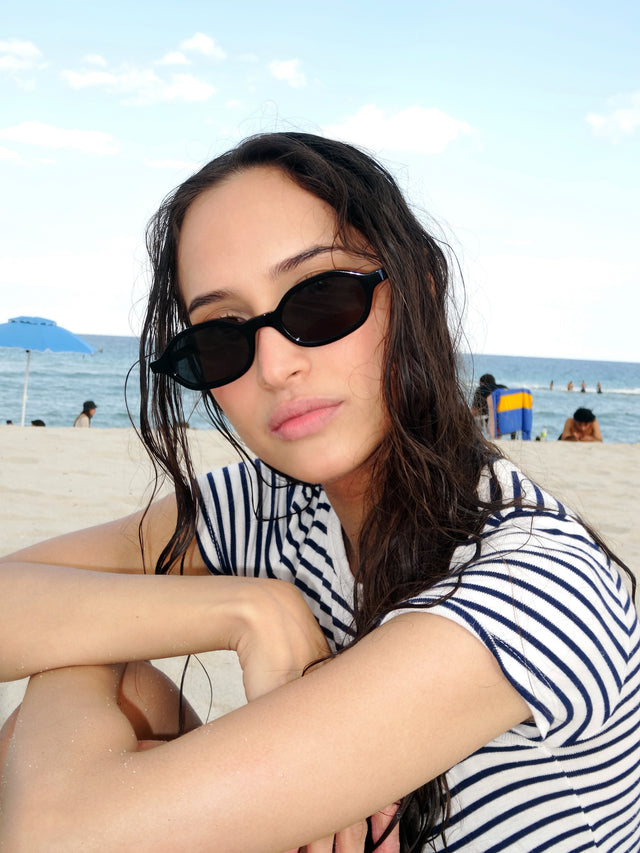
<point x="56" y="480"/>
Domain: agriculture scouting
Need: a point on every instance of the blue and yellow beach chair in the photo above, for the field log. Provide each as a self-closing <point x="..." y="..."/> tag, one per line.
<point x="510" y="412"/>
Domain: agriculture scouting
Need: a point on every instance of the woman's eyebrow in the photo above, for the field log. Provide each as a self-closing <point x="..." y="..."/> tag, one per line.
<point x="281" y="267"/>
<point x="209" y="298"/>
<point x="294" y="261"/>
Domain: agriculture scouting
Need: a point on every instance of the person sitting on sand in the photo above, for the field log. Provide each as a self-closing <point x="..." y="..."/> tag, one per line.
<point x="84" y="418"/>
<point x="426" y="636"/>
<point x="583" y="426"/>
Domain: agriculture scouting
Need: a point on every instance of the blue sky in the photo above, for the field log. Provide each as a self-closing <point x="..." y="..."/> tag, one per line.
<point x="515" y="126"/>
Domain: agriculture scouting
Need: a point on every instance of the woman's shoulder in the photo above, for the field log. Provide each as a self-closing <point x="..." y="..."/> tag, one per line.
<point x="539" y="592"/>
<point x="536" y="563"/>
<point x="253" y="481"/>
<point x="531" y="531"/>
<point x="502" y="481"/>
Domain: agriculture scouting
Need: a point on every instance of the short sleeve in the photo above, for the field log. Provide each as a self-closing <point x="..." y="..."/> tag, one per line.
<point x="544" y="599"/>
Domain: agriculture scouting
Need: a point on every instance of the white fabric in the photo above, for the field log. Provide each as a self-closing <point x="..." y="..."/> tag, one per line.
<point x="545" y="601"/>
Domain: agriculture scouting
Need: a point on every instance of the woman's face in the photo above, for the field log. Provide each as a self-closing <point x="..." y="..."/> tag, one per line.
<point x="316" y="414"/>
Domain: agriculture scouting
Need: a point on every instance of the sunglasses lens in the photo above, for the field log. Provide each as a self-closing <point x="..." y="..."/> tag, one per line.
<point x="209" y="357"/>
<point x="319" y="311"/>
<point x="325" y="309"/>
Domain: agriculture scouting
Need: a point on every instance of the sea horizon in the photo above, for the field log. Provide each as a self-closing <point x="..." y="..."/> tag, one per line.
<point x="59" y="383"/>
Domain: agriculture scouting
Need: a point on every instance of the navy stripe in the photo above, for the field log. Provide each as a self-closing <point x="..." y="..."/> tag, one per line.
<point x="526" y="638"/>
<point x="571" y="648"/>
<point x="568" y="614"/>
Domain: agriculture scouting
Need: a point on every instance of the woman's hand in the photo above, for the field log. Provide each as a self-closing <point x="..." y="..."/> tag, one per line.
<point x="284" y="638"/>
<point x="352" y="840"/>
<point x="379" y="823"/>
<point x="279" y="636"/>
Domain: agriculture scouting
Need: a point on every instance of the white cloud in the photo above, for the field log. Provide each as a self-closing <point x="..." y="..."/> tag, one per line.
<point x="201" y="43"/>
<point x="185" y="87"/>
<point x="16" y="55"/>
<point x="8" y="154"/>
<point x="619" y="123"/>
<point x="289" y="71"/>
<point x="426" y="131"/>
<point x="28" y="85"/>
<point x="95" y="59"/>
<point x="176" y="57"/>
<point x="142" y="86"/>
<point x="86" y="79"/>
<point x="47" y="136"/>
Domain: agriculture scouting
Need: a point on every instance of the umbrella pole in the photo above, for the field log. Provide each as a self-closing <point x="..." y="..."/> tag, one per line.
<point x="24" y="390"/>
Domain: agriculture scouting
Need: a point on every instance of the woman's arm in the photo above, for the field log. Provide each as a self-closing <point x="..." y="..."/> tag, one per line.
<point x="55" y="616"/>
<point x="314" y="756"/>
<point x="491" y="416"/>
<point x="113" y="547"/>
<point x="48" y="603"/>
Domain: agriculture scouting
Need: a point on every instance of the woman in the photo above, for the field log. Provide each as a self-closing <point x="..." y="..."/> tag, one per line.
<point x="488" y="650"/>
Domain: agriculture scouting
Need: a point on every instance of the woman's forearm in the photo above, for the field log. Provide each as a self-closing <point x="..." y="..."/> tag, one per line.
<point x="292" y="766"/>
<point x="55" y="616"/>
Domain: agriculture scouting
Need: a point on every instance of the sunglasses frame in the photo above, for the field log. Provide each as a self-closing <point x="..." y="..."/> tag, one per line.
<point x="165" y="364"/>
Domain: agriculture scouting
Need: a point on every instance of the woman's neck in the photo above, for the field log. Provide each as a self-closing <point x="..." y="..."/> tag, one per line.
<point x="350" y="507"/>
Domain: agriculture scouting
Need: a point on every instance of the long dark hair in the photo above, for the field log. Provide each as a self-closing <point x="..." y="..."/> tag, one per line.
<point x="425" y="472"/>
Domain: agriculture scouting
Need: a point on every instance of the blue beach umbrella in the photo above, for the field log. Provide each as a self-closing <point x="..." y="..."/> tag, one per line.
<point x="36" y="333"/>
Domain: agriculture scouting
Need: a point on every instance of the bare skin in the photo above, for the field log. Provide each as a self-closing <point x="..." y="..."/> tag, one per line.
<point x="579" y="431"/>
<point x="291" y="770"/>
<point x="57" y="781"/>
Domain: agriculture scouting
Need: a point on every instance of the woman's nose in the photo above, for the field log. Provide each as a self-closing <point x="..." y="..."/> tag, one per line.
<point x="278" y="359"/>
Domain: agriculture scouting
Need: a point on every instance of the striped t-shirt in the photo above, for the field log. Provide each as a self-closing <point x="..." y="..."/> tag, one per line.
<point x="544" y="600"/>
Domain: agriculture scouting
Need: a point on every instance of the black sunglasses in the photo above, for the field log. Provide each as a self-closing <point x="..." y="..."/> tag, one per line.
<point x="318" y="311"/>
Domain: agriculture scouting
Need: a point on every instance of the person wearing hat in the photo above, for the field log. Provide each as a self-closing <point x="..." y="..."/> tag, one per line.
<point x="480" y="403"/>
<point x="88" y="411"/>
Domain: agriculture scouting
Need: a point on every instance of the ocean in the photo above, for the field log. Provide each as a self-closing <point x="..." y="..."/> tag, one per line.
<point x="617" y="408"/>
<point x="60" y="382"/>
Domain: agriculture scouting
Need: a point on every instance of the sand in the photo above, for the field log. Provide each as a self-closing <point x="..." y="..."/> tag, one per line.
<point x="54" y="480"/>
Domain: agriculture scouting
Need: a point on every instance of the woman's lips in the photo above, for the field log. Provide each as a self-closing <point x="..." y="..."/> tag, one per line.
<point x="301" y="418"/>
